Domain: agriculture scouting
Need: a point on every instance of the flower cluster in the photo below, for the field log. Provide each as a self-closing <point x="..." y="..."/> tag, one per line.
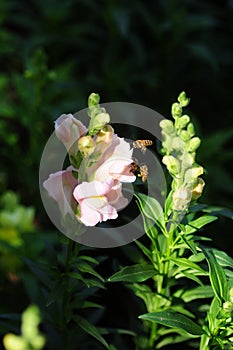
<point x="100" y="161"/>
<point x="179" y="149"/>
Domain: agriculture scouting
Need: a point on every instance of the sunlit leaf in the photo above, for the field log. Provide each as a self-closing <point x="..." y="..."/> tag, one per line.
<point x="134" y="273"/>
<point x="174" y="320"/>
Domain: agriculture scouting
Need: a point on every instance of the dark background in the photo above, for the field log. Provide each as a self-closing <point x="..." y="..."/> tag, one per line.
<point x="53" y="54"/>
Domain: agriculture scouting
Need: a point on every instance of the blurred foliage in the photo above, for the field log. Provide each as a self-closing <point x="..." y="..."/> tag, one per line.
<point x="54" y="53"/>
<point x="31" y="338"/>
<point x="15" y="220"/>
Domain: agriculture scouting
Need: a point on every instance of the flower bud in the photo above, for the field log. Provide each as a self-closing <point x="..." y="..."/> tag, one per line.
<point x="191" y="129"/>
<point x="192" y="174"/>
<point x="93" y="99"/>
<point x="173" y="165"/>
<point x="194" y="143"/>
<point x="228" y="306"/>
<point x="198" y="188"/>
<point x="182" y="121"/>
<point x="167" y="126"/>
<point x="98" y="122"/>
<point x="86" y="145"/>
<point x="68" y="130"/>
<point x="105" y="135"/>
<point x="185" y="136"/>
<point x="183" y="99"/>
<point x="178" y="144"/>
<point x="176" y="110"/>
<point x="231" y="294"/>
<point x="181" y="198"/>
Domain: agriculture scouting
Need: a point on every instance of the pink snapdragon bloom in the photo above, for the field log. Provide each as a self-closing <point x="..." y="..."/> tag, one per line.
<point x="60" y="187"/>
<point x="114" y="163"/>
<point x="99" y="201"/>
<point x="101" y="197"/>
<point x="68" y="130"/>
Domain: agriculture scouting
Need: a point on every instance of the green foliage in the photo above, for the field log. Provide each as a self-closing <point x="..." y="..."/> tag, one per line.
<point x="134" y="273"/>
<point x="174" y="320"/>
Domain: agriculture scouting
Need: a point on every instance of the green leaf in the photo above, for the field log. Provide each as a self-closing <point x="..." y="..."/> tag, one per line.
<point x="151" y="208"/>
<point x="134" y="273"/>
<point x="144" y="249"/>
<point x="168" y="203"/>
<point x="219" y="211"/>
<point x="174" y="320"/>
<point x="86" y="268"/>
<point x="222" y="258"/>
<point x="89" y="258"/>
<point x="184" y="263"/>
<point x="189" y="243"/>
<point x="92" y="330"/>
<point x="191" y="276"/>
<point x="198" y="223"/>
<point x="200" y="292"/>
<point x="90" y="304"/>
<point x="217" y="276"/>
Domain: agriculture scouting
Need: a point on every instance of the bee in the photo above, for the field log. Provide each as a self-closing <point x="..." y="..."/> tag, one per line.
<point x="141" y="169"/>
<point x="142" y="144"/>
<point x="143" y="172"/>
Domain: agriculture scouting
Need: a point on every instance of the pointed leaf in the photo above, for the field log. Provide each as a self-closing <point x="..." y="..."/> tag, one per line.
<point x="198" y="223"/>
<point x="223" y="259"/>
<point x="134" y="273"/>
<point x="219" y="211"/>
<point x="200" y="292"/>
<point x="92" y="330"/>
<point x="151" y="208"/>
<point x="174" y="320"/>
<point x="217" y="276"/>
<point x="86" y="268"/>
<point x="184" y="263"/>
<point x="144" y="249"/>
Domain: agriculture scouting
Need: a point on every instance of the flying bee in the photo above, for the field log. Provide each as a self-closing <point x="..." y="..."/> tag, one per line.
<point x="141" y="169"/>
<point x="142" y="144"/>
<point x="143" y="172"/>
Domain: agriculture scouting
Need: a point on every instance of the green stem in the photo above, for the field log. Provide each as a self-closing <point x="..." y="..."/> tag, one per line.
<point x="152" y="335"/>
<point x="72" y="249"/>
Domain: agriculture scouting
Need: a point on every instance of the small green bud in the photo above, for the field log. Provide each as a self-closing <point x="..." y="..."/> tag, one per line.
<point x="167" y="126"/>
<point x="176" y="110"/>
<point x="185" y="136"/>
<point x="178" y="144"/>
<point x="86" y="145"/>
<point x="183" y="99"/>
<point x="93" y="99"/>
<point x="100" y="120"/>
<point x="12" y="342"/>
<point x="191" y="129"/>
<point x="231" y="294"/>
<point x="192" y="174"/>
<point x="228" y="306"/>
<point x="173" y="165"/>
<point x="187" y="160"/>
<point x="182" y="121"/>
<point x="194" y="143"/>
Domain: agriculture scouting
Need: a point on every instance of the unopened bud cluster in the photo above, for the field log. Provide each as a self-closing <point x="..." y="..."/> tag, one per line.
<point x="179" y="149"/>
<point x="98" y="115"/>
<point x="228" y="305"/>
